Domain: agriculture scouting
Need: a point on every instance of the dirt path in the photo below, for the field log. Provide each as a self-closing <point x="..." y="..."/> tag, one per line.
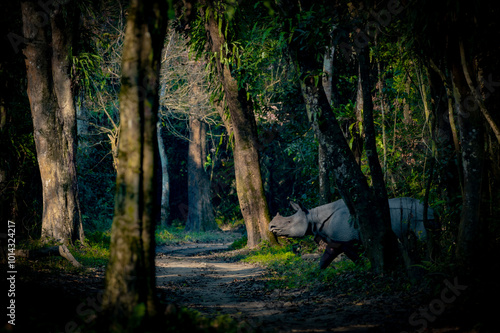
<point x="192" y="276"/>
<point x="198" y="277"/>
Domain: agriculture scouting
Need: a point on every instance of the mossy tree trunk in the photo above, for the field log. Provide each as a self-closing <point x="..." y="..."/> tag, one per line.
<point x="49" y="33"/>
<point x="130" y="276"/>
<point x="249" y="186"/>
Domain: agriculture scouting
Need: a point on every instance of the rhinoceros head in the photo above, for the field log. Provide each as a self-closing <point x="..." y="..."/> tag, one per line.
<point x="290" y="226"/>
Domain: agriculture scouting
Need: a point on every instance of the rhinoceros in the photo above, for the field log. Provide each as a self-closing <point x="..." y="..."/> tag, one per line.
<point x="332" y="223"/>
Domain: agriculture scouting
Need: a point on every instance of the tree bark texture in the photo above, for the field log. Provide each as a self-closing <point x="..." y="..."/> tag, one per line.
<point x="200" y="209"/>
<point x="351" y="182"/>
<point x="377" y="174"/>
<point x="165" y="180"/>
<point x="48" y="64"/>
<point x="470" y="123"/>
<point x="249" y="186"/>
<point x="130" y="275"/>
<point x="323" y="170"/>
<point x="324" y="193"/>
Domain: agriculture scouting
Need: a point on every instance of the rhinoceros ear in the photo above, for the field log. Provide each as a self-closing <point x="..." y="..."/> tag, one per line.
<point x="295" y="206"/>
<point x="303" y="208"/>
<point x="299" y="207"/>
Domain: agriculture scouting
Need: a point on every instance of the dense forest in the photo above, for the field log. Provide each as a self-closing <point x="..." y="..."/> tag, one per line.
<point x="126" y="120"/>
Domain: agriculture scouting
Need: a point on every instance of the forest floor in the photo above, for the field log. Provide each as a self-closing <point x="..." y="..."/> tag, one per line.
<point x="211" y="279"/>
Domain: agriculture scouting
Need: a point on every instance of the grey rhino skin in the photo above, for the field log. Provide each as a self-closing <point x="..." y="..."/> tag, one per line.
<point x="332" y="223"/>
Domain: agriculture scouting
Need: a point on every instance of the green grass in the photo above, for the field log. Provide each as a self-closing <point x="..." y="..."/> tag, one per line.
<point x="286" y="270"/>
<point x="94" y="251"/>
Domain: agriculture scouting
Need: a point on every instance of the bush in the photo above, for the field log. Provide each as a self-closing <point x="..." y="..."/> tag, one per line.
<point x="239" y="243"/>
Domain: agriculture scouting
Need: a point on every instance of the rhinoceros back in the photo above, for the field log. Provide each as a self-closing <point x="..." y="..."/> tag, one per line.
<point x="407" y="215"/>
<point x="340" y="227"/>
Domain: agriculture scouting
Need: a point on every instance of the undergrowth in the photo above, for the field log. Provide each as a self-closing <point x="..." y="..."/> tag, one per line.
<point x="286" y="269"/>
<point x="94" y="251"/>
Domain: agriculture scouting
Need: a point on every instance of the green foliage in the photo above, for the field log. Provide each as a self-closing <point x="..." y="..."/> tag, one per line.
<point x="92" y="253"/>
<point x="96" y="184"/>
<point x="87" y="72"/>
<point x="345" y="110"/>
<point x="239" y="243"/>
<point x="287" y="270"/>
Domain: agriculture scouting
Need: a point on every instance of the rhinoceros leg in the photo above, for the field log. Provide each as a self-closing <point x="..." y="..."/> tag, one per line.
<point x="334" y="249"/>
<point x="351" y="251"/>
<point x="331" y="252"/>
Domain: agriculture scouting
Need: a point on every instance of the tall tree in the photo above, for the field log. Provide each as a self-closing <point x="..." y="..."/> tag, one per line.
<point x="377" y="174"/>
<point x="249" y="186"/>
<point x="49" y="32"/>
<point x="165" y="179"/>
<point x="375" y="231"/>
<point x="185" y="98"/>
<point x="200" y="209"/>
<point x="456" y="44"/>
<point x="130" y="276"/>
<point x="323" y="170"/>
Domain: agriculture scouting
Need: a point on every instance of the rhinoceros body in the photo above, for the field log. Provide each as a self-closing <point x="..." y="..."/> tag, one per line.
<point x="332" y="223"/>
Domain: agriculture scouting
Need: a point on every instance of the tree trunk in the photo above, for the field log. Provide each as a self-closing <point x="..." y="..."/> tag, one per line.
<point x="351" y="182"/>
<point x="328" y="72"/>
<point x="325" y="192"/>
<point x="323" y="171"/>
<point x="383" y="108"/>
<point x="451" y="118"/>
<point x="200" y="209"/>
<point x="48" y="64"/>
<point x="376" y="171"/>
<point x="165" y="181"/>
<point x="379" y="240"/>
<point x="249" y="186"/>
<point x="357" y="143"/>
<point x="130" y="276"/>
<point x="446" y="155"/>
<point x="469" y="242"/>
